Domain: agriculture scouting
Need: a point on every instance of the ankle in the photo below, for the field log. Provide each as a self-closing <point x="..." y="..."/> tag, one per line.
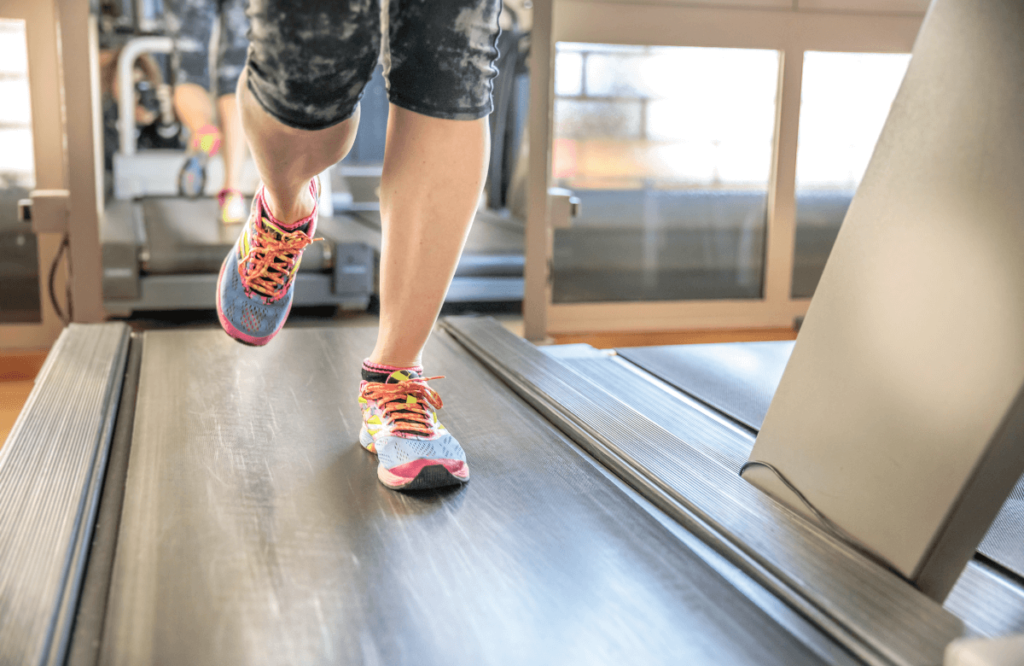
<point x="289" y="210"/>
<point x="379" y="372"/>
<point x="394" y="362"/>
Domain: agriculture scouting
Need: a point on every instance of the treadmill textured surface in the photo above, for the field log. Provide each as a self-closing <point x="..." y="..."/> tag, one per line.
<point x="255" y="530"/>
<point x="1004" y="542"/>
<point x="185" y="235"/>
<point x="738" y="379"/>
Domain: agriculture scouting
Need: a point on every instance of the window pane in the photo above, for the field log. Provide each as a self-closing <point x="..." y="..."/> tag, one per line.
<point x="669" y="150"/>
<point x="844" y="102"/>
<point x="19" y="269"/>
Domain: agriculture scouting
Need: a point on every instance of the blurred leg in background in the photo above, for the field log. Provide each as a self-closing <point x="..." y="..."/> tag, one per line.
<point x="190" y="23"/>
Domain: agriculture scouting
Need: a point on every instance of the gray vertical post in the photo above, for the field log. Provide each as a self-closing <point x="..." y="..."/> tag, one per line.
<point x="538" y="249"/>
<point x="79" y="54"/>
<point x="901" y="414"/>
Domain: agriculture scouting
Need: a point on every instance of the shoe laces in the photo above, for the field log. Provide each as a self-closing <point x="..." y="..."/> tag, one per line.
<point x="409" y="404"/>
<point x="273" y="253"/>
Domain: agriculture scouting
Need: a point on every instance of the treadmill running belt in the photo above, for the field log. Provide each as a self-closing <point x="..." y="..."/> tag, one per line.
<point x="737" y="379"/>
<point x="255" y="530"/>
<point x="186" y="236"/>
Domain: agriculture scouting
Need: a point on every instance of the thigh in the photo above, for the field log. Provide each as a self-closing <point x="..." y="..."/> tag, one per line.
<point x="309" y="60"/>
<point x="439" y="56"/>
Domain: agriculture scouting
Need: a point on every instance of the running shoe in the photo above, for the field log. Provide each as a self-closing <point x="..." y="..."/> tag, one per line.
<point x="204" y="144"/>
<point x="232" y="206"/>
<point x="257" y="278"/>
<point x="414" y="450"/>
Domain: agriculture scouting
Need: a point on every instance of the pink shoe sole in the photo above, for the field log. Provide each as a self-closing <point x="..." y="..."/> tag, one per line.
<point x="423" y="474"/>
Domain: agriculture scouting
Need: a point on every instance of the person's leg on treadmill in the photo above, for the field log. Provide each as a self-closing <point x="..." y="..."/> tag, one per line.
<point x="190" y="24"/>
<point x="298" y="97"/>
<point x="232" y="48"/>
<point x="287" y="158"/>
<point x="233" y="150"/>
<point x="439" y="62"/>
<point x="434" y="172"/>
<point x="193" y="107"/>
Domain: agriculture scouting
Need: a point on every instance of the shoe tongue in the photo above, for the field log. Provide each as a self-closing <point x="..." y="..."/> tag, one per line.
<point x="279" y="230"/>
<point x="402" y="375"/>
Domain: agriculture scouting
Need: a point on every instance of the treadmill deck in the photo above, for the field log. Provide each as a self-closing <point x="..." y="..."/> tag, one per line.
<point x="255" y="531"/>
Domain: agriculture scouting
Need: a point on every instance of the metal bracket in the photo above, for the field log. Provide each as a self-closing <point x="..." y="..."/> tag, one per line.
<point x="46" y="210"/>
<point x="564" y="206"/>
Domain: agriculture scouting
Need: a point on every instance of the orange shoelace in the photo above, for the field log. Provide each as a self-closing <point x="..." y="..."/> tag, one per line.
<point x="406" y="403"/>
<point x="268" y="266"/>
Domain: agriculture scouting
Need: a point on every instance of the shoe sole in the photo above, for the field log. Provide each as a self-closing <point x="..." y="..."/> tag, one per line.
<point x="432" y="474"/>
<point x="426" y="473"/>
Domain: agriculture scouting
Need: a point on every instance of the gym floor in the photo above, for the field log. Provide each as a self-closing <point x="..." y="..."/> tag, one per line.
<point x="17" y="374"/>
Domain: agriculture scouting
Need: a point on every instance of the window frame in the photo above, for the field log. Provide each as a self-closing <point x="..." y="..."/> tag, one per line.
<point x="791" y="32"/>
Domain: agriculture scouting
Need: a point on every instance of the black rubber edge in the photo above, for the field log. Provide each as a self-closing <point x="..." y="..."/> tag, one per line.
<point x="84" y="649"/>
<point x="935" y="627"/>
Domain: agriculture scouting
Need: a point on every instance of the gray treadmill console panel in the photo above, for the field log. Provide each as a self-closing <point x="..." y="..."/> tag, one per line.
<point x="899" y="414"/>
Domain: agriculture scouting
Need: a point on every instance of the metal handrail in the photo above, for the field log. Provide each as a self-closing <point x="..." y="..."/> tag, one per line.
<point x="126" y="85"/>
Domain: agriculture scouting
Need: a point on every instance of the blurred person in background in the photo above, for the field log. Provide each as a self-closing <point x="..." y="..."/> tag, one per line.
<point x="190" y="23"/>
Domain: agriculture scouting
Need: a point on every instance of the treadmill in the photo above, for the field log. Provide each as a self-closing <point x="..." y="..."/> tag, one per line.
<point x="171" y="496"/>
<point x="162" y="252"/>
<point x="174" y="497"/>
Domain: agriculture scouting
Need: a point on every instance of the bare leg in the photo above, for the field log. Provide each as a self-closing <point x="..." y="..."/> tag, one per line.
<point x="287" y="158"/>
<point x="233" y="148"/>
<point x="193" y="106"/>
<point x="434" y="172"/>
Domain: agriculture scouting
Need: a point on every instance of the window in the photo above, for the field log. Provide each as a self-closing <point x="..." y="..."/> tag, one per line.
<point x="19" y="270"/>
<point x="845" y="100"/>
<point x="669" y="149"/>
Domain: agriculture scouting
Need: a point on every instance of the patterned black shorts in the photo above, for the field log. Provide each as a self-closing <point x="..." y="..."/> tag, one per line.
<point x="309" y="60"/>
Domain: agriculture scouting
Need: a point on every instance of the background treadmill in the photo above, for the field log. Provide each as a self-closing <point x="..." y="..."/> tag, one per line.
<point x="163" y="253"/>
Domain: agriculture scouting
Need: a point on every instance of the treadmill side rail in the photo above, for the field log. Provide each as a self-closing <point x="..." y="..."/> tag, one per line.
<point x="51" y="472"/>
<point x="877" y="616"/>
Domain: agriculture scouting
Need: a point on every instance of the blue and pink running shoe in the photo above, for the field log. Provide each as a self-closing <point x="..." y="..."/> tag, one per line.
<point x="257" y="278"/>
<point x="414" y="451"/>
